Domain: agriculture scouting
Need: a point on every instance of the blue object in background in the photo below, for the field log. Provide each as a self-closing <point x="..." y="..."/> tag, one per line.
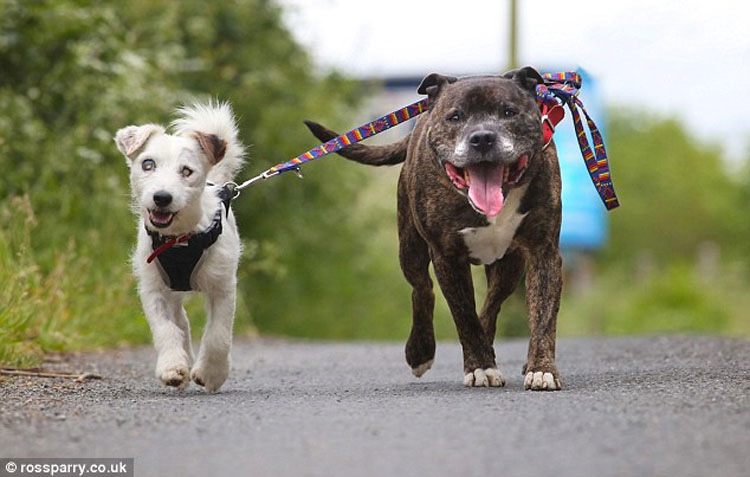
<point x="584" y="218"/>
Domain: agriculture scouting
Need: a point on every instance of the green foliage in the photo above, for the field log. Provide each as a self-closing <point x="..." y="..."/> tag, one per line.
<point x="672" y="299"/>
<point x="675" y="192"/>
<point x="76" y="71"/>
<point x="678" y="201"/>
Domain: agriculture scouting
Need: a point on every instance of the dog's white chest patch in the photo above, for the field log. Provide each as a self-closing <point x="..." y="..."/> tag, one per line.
<point x="490" y="243"/>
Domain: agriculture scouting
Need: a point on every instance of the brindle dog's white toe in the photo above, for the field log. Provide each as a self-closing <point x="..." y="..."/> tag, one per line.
<point x="418" y="371"/>
<point x="488" y="378"/>
<point x="539" y="381"/>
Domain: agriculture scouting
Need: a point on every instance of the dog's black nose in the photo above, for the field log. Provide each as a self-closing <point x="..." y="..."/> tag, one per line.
<point x="162" y="198"/>
<point x="482" y="141"/>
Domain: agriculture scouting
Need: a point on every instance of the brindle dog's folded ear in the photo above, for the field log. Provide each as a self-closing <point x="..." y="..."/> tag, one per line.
<point x="527" y="78"/>
<point x="433" y="83"/>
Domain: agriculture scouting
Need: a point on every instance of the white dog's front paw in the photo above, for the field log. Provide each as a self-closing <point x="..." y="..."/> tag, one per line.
<point x="175" y="374"/>
<point x="489" y="378"/>
<point x="210" y="374"/>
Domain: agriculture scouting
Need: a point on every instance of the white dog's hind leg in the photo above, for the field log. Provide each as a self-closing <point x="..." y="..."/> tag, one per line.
<point x="212" y="367"/>
<point x="171" y="333"/>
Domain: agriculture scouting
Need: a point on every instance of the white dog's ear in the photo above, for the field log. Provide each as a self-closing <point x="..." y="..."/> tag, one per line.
<point x="212" y="145"/>
<point x="131" y="139"/>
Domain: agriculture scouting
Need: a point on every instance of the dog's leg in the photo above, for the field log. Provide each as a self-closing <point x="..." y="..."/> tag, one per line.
<point x="164" y="315"/>
<point x="182" y="321"/>
<point x="212" y="366"/>
<point x="454" y="276"/>
<point x="543" y="288"/>
<point x="502" y="279"/>
<point x="415" y="261"/>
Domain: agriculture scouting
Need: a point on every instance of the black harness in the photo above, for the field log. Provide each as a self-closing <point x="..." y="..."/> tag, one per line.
<point x="178" y="263"/>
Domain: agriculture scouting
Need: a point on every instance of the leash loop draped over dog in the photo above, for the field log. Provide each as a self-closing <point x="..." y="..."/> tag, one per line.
<point x="557" y="88"/>
<point x="565" y="87"/>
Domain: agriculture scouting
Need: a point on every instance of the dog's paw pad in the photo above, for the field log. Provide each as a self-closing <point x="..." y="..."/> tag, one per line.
<point x="489" y="378"/>
<point x="540" y="381"/>
<point x="418" y="371"/>
<point x="175" y="377"/>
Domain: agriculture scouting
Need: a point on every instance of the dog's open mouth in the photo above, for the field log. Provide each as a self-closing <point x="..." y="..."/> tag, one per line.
<point x="486" y="181"/>
<point x="161" y="218"/>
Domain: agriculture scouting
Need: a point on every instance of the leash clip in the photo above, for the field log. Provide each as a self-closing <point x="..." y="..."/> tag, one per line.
<point x="233" y="189"/>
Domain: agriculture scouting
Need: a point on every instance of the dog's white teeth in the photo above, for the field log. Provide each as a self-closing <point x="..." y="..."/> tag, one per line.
<point x="161" y="217"/>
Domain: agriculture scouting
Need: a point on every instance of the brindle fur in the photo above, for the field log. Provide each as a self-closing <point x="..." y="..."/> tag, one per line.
<point x="431" y="212"/>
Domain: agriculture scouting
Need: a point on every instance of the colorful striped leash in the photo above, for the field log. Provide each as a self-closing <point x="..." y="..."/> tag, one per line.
<point x="565" y="87"/>
<point x="557" y="87"/>
<point x="336" y="144"/>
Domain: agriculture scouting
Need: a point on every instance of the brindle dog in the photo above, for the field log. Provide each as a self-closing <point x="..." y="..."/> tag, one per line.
<point x="478" y="186"/>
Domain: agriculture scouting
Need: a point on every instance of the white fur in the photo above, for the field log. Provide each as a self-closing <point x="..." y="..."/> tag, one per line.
<point x="539" y="381"/>
<point x="489" y="378"/>
<point x="195" y="205"/>
<point x="490" y="243"/>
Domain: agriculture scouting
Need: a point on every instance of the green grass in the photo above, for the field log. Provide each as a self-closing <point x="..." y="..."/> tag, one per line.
<point x="76" y="297"/>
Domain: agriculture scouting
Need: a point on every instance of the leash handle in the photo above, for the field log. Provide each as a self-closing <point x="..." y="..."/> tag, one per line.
<point x="565" y="87"/>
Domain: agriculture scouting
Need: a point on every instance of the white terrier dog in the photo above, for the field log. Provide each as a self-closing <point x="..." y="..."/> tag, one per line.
<point x="187" y="238"/>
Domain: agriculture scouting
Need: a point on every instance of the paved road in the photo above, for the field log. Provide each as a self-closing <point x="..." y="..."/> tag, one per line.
<point x="631" y="406"/>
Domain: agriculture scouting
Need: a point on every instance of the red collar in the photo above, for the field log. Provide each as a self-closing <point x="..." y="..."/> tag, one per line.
<point x="551" y="116"/>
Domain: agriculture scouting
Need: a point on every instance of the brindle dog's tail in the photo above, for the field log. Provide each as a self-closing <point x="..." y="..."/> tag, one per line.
<point x="387" y="155"/>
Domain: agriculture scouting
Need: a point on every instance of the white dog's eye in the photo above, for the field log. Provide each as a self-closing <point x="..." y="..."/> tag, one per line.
<point x="148" y="165"/>
<point x="186" y="172"/>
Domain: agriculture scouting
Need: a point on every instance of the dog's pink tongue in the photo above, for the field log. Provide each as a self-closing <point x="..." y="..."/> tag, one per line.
<point x="486" y="187"/>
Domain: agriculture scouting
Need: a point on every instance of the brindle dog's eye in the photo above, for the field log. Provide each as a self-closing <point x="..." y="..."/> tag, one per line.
<point x="509" y="112"/>
<point x="148" y="165"/>
<point x="186" y="172"/>
<point x="454" y="117"/>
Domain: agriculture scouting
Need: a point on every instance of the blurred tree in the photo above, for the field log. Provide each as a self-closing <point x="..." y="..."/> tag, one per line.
<point x="75" y="71"/>
<point x="675" y="192"/>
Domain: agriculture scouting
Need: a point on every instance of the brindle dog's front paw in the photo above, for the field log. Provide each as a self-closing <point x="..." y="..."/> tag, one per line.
<point x="542" y="378"/>
<point x="488" y="377"/>
<point x="420" y="351"/>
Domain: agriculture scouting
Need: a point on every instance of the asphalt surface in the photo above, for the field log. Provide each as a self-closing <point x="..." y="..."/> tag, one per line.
<point x="630" y="406"/>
